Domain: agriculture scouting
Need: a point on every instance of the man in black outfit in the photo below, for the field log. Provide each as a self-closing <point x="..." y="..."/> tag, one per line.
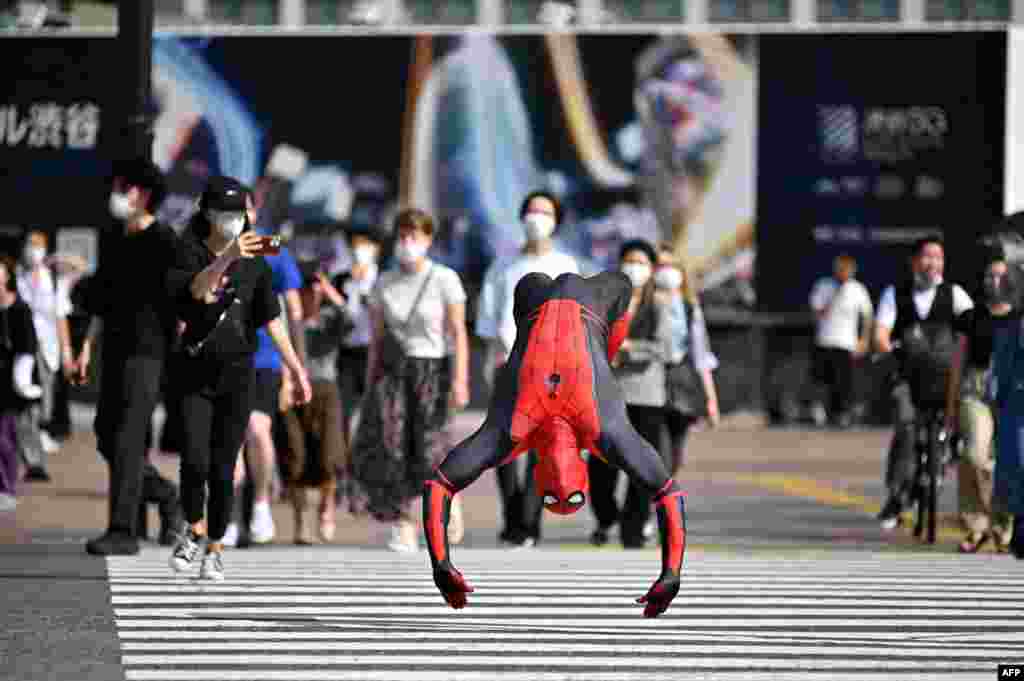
<point x="128" y="304"/>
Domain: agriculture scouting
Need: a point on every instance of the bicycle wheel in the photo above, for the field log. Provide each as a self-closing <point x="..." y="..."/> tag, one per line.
<point x="920" y="489"/>
<point x="933" y="481"/>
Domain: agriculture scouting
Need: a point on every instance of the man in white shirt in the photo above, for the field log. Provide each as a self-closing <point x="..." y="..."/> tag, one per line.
<point x="843" y="309"/>
<point x="495" y="323"/>
<point x="924" y="307"/>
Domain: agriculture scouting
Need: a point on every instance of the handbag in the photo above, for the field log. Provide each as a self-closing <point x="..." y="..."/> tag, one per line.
<point x="227" y="331"/>
<point x="684" y="384"/>
<point x="391" y="351"/>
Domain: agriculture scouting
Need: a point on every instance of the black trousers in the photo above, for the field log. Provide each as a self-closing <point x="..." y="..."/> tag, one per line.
<point x="522" y="506"/>
<point x="215" y="402"/>
<point x="901" y="465"/>
<point x="678" y="425"/>
<point x="833" y="374"/>
<point x="129" y="390"/>
<point x="635" y="512"/>
<point x="60" y="422"/>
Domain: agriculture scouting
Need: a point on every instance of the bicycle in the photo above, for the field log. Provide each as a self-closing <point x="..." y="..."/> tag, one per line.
<point x="933" y="453"/>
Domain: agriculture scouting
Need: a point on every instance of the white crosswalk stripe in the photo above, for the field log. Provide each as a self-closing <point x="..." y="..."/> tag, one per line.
<point x="341" y="613"/>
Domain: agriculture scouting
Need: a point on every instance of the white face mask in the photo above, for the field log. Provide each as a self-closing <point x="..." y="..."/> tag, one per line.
<point x="34" y="255"/>
<point x="364" y="255"/>
<point x="367" y="282"/>
<point x="229" y="223"/>
<point x="409" y="252"/>
<point x="121" y="206"/>
<point x="539" y="226"/>
<point x="637" y="272"/>
<point x="668" y="278"/>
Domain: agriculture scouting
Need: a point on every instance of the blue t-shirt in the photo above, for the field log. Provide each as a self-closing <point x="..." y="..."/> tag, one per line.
<point x="286" y="278"/>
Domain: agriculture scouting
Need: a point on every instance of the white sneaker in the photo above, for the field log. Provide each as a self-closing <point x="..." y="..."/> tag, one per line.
<point x="230" y="535"/>
<point x="650" y="529"/>
<point x="50" y="446"/>
<point x="525" y="545"/>
<point x="261" y="529"/>
<point x="890" y="523"/>
<point x="819" y="415"/>
<point x="185" y="551"/>
<point x="213" y="566"/>
<point x="7" y="503"/>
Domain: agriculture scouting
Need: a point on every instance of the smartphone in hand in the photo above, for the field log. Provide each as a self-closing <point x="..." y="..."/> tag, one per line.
<point x="269" y="245"/>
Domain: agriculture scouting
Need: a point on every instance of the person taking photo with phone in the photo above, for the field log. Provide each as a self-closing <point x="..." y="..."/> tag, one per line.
<point x="224" y="294"/>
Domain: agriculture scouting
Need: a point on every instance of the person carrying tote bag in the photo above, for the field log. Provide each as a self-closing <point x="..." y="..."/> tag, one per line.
<point x="418" y="312"/>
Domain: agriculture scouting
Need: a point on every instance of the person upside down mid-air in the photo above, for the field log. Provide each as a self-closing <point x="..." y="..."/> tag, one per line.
<point x="557" y="396"/>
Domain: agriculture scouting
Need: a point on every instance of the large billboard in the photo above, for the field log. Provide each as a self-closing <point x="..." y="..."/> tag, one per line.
<point x="640" y="135"/>
<point x="868" y="142"/>
<point x="824" y="143"/>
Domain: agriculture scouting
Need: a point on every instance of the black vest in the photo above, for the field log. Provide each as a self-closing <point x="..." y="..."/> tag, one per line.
<point x="929" y="344"/>
<point x="939" y="316"/>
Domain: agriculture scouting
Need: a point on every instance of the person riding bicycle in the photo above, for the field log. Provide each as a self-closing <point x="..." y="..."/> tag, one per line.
<point x="915" y="322"/>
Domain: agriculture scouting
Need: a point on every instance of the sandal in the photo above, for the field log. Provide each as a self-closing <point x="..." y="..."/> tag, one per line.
<point x="327" y="526"/>
<point x="973" y="542"/>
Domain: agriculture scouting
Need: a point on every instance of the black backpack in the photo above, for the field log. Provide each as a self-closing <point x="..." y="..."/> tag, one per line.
<point x="927" y="348"/>
<point x="928" y="351"/>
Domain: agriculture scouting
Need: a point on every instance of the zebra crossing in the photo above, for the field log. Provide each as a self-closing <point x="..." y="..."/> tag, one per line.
<point x="337" y="613"/>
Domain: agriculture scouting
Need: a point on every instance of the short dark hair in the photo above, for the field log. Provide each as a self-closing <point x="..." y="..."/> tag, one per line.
<point x="365" y="232"/>
<point x="142" y="173"/>
<point x="541" y="194"/>
<point x="641" y="245"/>
<point x="416" y="219"/>
<point x="926" y="240"/>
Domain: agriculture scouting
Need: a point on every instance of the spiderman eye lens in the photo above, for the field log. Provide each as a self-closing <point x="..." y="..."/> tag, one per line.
<point x="550" y="499"/>
<point x="576" y="498"/>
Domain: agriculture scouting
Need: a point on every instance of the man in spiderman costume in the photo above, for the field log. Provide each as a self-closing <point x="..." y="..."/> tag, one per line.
<point x="557" y="396"/>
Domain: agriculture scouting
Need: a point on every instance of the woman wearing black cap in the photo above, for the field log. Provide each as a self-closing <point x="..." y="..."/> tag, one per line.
<point x="224" y="295"/>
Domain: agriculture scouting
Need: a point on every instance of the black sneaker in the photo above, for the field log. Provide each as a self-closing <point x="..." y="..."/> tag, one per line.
<point x="172" y="520"/>
<point x="599" y="537"/>
<point x="113" y="544"/>
<point x="37" y="474"/>
<point x="1016" y="546"/>
<point x="889" y="517"/>
<point x="186" y="550"/>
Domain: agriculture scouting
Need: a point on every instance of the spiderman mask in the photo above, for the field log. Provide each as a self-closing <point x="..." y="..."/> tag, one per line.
<point x="561" y="474"/>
